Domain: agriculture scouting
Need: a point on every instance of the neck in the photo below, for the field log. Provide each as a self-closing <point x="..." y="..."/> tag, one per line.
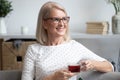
<point x="55" y="41"/>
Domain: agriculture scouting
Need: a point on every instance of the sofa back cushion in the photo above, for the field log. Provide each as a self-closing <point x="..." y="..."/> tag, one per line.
<point x="10" y="75"/>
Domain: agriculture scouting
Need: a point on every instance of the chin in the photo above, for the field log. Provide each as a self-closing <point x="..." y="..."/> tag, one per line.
<point x="61" y="33"/>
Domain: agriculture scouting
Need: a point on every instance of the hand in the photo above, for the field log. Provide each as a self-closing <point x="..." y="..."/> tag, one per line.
<point x="63" y="75"/>
<point x="87" y="65"/>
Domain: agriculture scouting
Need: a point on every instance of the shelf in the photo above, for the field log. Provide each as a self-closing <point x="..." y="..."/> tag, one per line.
<point x="84" y="35"/>
<point x="73" y="35"/>
<point x="16" y="36"/>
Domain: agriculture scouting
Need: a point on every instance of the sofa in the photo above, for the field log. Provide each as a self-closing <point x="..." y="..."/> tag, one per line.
<point x="10" y="75"/>
<point x="95" y="75"/>
<point x="89" y="75"/>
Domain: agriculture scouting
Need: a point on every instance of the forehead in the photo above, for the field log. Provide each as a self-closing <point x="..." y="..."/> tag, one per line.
<point x="57" y="12"/>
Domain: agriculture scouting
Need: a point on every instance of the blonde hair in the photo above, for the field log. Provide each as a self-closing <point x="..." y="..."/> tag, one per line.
<point x="41" y="33"/>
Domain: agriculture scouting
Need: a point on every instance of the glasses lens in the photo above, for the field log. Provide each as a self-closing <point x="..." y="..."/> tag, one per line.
<point x="57" y="20"/>
<point x="65" y="19"/>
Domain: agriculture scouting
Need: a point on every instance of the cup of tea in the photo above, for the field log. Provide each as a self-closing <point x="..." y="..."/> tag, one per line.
<point x="74" y="67"/>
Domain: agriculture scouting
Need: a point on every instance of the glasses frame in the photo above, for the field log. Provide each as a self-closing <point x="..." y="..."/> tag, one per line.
<point x="57" y="20"/>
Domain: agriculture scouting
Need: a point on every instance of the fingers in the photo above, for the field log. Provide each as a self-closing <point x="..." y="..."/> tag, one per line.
<point x="63" y="74"/>
<point x="87" y="65"/>
<point x="66" y="75"/>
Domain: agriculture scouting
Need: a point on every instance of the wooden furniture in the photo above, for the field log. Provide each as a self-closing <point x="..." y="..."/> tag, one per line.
<point x="12" y="52"/>
<point x="1" y="40"/>
<point x="12" y="57"/>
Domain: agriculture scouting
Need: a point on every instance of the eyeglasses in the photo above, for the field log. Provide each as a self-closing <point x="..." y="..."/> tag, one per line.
<point x="56" y="20"/>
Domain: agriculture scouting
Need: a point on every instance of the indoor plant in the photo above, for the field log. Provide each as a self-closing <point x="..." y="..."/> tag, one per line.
<point x="116" y="17"/>
<point x="5" y="8"/>
<point x="116" y="4"/>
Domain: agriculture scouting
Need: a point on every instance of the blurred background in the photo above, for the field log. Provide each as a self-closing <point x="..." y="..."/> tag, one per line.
<point x="25" y="13"/>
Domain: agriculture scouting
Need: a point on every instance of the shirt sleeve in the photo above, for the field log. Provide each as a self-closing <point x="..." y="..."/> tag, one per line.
<point x="88" y="54"/>
<point x="28" y="65"/>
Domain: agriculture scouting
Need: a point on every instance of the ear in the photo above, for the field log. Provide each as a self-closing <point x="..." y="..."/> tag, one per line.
<point x="44" y="24"/>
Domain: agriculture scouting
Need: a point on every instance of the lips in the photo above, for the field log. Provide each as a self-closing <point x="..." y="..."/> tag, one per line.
<point x="60" y="29"/>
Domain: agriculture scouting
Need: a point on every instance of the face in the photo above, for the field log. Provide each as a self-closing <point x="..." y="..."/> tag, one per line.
<point x="56" y="24"/>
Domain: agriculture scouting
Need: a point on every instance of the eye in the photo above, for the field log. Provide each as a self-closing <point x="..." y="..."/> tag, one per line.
<point x="64" y="18"/>
<point x="56" y="19"/>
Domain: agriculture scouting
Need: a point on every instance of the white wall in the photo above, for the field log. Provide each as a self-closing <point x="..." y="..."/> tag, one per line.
<point x="26" y="11"/>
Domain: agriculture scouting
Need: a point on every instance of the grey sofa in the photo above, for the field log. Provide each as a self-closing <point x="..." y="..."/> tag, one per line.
<point x="110" y="76"/>
<point x="10" y="75"/>
<point x="89" y="75"/>
<point x="95" y="75"/>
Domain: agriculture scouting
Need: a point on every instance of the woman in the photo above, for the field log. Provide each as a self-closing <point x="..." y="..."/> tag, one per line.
<point x="50" y="57"/>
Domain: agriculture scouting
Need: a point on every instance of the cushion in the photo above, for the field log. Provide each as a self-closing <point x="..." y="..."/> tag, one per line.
<point x="10" y="75"/>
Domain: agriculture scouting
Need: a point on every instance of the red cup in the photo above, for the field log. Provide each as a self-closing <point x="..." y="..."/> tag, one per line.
<point x="74" y="67"/>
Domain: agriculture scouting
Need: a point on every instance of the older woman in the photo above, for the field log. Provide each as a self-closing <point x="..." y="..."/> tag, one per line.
<point x="50" y="57"/>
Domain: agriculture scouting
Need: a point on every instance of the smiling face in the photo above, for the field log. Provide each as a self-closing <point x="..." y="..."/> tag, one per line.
<point x="55" y="25"/>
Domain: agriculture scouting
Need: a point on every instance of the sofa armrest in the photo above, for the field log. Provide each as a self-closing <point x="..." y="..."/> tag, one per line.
<point x="110" y="76"/>
<point x="96" y="75"/>
<point x="10" y="75"/>
<point x="89" y="75"/>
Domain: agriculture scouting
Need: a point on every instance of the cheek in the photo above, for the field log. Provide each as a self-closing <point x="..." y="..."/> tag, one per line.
<point x="47" y="25"/>
<point x="67" y="26"/>
<point x="50" y="28"/>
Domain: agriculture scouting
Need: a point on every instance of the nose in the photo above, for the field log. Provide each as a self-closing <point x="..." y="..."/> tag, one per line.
<point x="61" y="22"/>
